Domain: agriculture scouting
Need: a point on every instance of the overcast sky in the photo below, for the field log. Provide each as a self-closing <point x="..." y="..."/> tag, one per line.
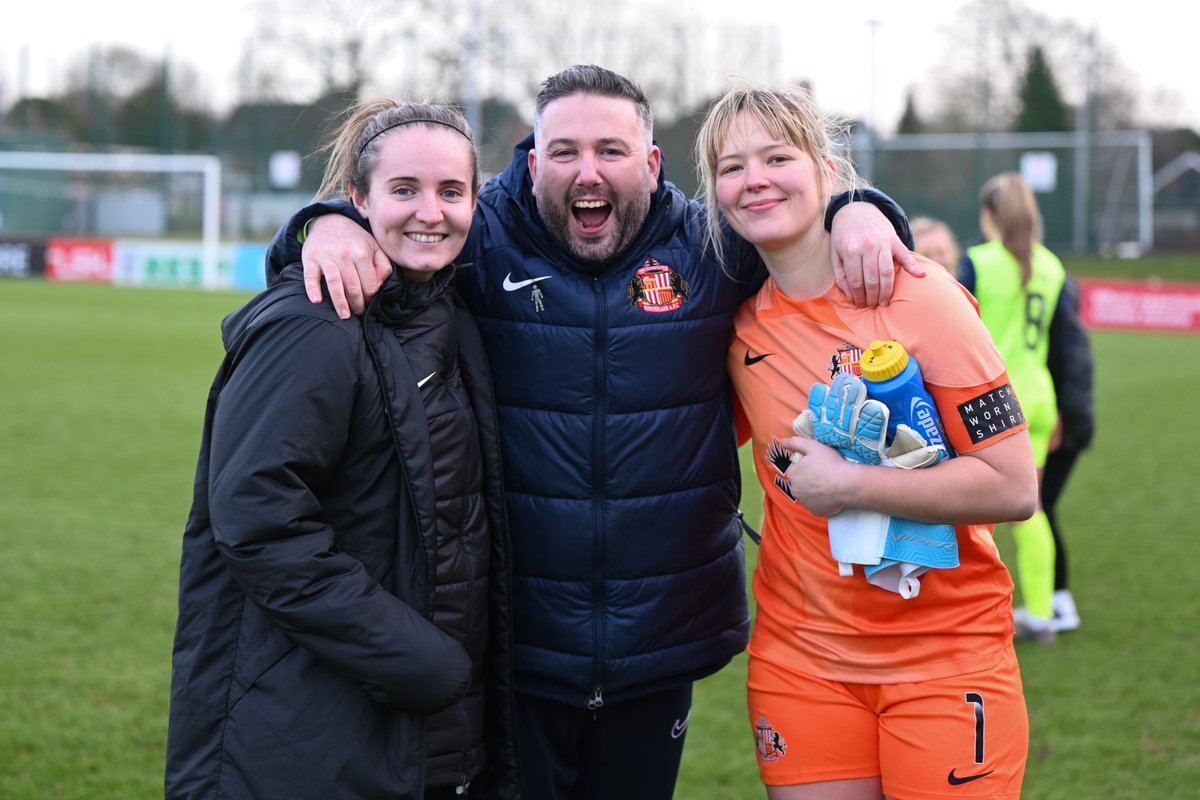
<point x="829" y="43"/>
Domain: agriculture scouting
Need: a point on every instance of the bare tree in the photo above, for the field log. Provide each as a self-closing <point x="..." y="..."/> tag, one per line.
<point x="319" y="47"/>
<point x="121" y="96"/>
<point x="986" y="55"/>
<point x="456" y="50"/>
<point x="97" y="82"/>
<point x="677" y="58"/>
<point x="112" y="72"/>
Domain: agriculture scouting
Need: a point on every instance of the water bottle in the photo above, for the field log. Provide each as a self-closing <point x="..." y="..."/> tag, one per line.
<point x="895" y="380"/>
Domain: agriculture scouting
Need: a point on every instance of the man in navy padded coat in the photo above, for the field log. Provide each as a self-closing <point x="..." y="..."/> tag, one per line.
<point x="606" y="327"/>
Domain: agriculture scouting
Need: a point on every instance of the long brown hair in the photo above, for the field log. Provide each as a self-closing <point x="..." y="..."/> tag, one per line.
<point x="1015" y="213"/>
<point x="354" y="151"/>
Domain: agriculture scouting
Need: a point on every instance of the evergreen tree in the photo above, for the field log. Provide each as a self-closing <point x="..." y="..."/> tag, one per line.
<point x="909" y="121"/>
<point x="1041" y="104"/>
<point x="46" y="116"/>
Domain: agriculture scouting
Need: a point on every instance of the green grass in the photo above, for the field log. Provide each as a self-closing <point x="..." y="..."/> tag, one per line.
<point x="100" y="411"/>
<point x="101" y="398"/>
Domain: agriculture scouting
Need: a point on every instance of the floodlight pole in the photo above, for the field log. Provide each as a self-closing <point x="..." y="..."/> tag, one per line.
<point x="474" y="110"/>
<point x="1083" y="129"/>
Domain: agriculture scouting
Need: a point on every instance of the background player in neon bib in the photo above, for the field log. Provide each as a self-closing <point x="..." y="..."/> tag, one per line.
<point x="855" y="692"/>
<point x="1017" y="283"/>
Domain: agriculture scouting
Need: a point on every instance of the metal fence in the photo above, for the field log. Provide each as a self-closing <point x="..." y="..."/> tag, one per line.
<point x="1095" y="191"/>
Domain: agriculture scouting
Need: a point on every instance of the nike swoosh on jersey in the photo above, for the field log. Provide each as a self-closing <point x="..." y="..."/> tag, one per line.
<point x="511" y="286"/>
<point x="752" y="361"/>
<point x="425" y="380"/>
<point x="678" y="728"/>
<point x="955" y="780"/>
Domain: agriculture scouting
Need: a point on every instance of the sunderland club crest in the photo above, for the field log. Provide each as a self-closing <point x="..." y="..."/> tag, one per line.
<point x="845" y="360"/>
<point x="771" y="745"/>
<point x="656" y="288"/>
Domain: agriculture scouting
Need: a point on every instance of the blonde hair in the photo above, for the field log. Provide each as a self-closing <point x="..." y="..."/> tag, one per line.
<point x="354" y="150"/>
<point x="1015" y="214"/>
<point x="787" y="113"/>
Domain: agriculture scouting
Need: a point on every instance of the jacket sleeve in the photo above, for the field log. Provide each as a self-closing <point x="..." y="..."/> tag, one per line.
<point x="966" y="274"/>
<point x="890" y="208"/>
<point x="742" y="261"/>
<point x="278" y="434"/>
<point x="1071" y="366"/>
<point x="289" y="239"/>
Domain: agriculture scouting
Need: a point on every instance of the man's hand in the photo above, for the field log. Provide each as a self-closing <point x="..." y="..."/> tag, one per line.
<point x="866" y="251"/>
<point x="349" y="259"/>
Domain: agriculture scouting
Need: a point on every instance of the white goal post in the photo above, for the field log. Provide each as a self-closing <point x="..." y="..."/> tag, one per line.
<point x="209" y="166"/>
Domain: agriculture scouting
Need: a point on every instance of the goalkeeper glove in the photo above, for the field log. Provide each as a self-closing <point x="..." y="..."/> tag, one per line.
<point x="894" y="551"/>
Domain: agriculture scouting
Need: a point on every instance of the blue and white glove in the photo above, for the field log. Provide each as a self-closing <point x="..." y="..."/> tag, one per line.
<point x="910" y="550"/>
<point x="893" y="551"/>
<point x="842" y="417"/>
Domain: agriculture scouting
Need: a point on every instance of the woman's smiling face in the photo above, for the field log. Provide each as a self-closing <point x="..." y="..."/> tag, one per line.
<point x="771" y="192"/>
<point x="420" y="202"/>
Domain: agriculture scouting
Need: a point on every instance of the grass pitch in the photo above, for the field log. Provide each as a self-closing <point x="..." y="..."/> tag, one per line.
<point x="101" y="400"/>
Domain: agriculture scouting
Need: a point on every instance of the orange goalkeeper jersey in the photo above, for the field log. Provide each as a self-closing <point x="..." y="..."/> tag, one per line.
<point x="841" y="627"/>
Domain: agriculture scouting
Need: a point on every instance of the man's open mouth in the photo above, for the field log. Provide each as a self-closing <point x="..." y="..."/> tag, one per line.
<point x="591" y="214"/>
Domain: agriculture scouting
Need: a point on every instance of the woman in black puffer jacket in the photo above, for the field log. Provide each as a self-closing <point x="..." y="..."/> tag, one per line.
<point x="344" y="588"/>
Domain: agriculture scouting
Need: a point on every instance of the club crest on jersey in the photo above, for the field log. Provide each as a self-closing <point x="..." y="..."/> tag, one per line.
<point x="780" y="458"/>
<point x="656" y="288"/>
<point x="770" y="743"/>
<point x="845" y="360"/>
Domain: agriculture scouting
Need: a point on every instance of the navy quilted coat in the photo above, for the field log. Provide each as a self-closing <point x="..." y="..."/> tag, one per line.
<point x="618" y="446"/>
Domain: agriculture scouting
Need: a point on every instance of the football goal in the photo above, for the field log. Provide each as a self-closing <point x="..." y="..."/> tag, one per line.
<point x="1095" y="189"/>
<point x="67" y="200"/>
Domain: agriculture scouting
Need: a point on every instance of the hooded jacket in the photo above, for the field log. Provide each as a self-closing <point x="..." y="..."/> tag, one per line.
<point x="307" y="660"/>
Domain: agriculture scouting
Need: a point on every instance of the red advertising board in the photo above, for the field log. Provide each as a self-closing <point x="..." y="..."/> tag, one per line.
<point x="69" y="259"/>
<point x="1148" y="305"/>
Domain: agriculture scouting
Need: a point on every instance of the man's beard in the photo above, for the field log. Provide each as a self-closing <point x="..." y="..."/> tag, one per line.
<point x="630" y="216"/>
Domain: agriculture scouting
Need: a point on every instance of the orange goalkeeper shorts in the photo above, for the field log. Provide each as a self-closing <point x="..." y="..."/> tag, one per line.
<point x="960" y="736"/>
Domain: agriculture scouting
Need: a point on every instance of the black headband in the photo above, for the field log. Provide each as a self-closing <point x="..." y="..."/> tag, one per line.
<point x="379" y="133"/>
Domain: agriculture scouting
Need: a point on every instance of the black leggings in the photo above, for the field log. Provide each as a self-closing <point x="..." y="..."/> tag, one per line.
<point x="1054" y="478"/>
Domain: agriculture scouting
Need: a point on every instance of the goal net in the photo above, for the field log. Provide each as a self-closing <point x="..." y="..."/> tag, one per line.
<point x="141" y="197"/>
<point x="1095" y="191"/>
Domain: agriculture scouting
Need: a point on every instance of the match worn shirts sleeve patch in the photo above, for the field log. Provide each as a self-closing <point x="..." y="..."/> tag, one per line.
<point x="979" y="416"/>
<point x="991" y="413"/>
